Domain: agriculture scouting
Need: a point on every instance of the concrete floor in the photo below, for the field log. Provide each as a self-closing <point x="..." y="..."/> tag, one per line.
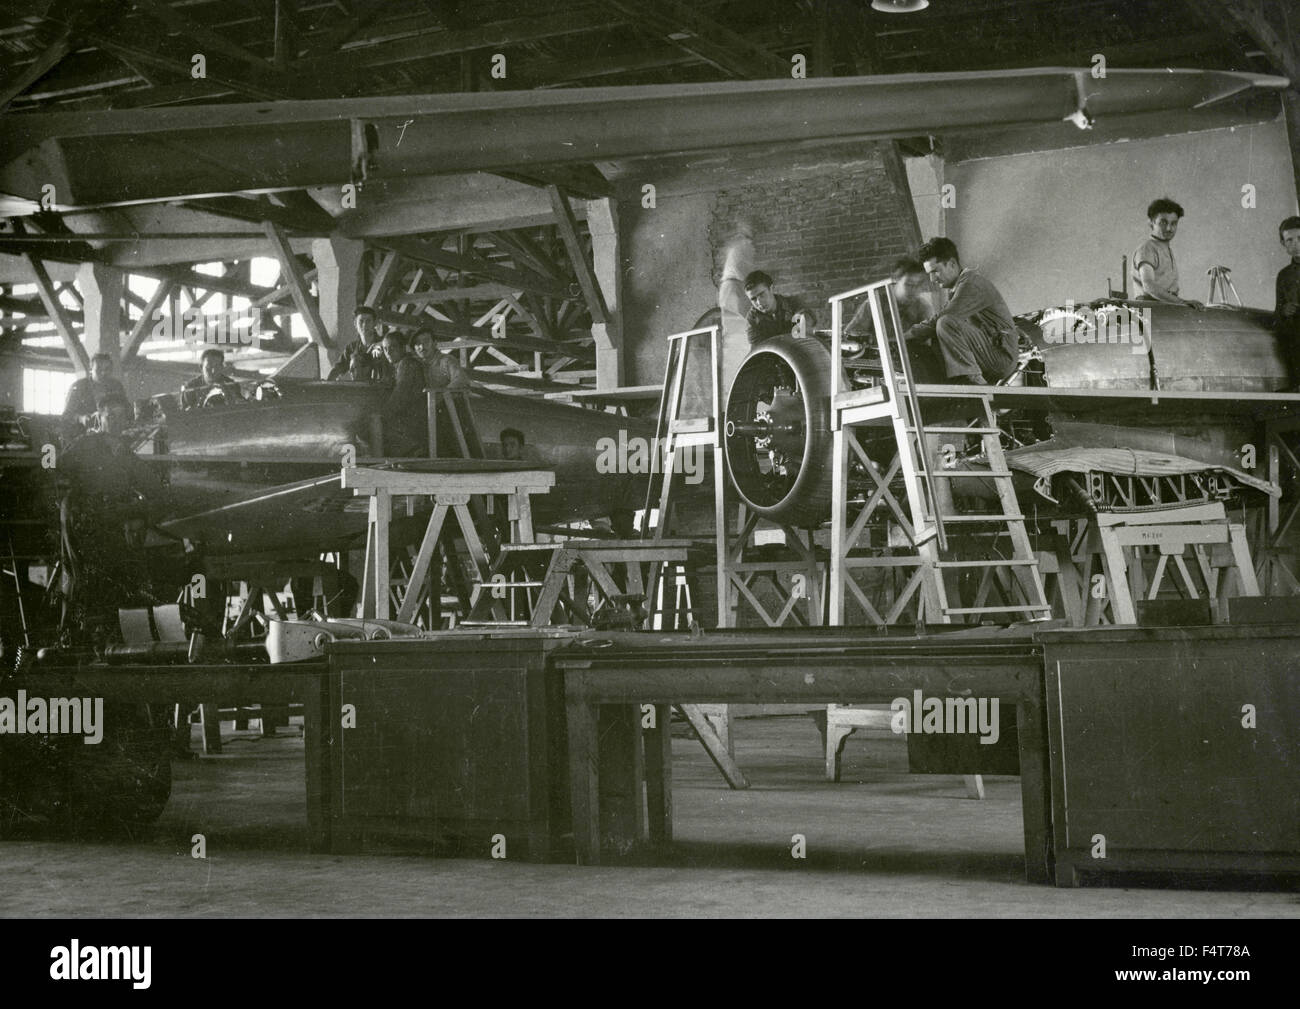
<point x="882" y="843"/>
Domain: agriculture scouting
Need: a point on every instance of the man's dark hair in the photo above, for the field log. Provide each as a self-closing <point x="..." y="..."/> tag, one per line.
<point x="423" y="331"/>
<point x="112" y="399"/>
<point x="940" y="250"/>
<point x="756" y="279"/>
<point x="364" y="310"/>
<point x="220" y="355"/>
<point x="515" y="433"/>
<point x="1290" y="224"/>
<point x="905" y="266"/>
<point x="101" y="356"/>
<point x="1164" y="205"/>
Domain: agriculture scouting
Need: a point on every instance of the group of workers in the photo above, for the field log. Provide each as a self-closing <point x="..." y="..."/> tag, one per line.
<point x="973" y="338"/>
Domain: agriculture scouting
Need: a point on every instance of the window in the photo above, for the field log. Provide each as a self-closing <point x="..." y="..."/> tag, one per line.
<point x="45" y="391"/>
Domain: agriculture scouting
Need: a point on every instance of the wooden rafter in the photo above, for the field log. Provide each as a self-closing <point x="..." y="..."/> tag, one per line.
<point x="424" y="252"/>
<point x="299" y="217"/>
<point x="211" y="40"/>
<point x="58" y="314"/>
<point x="293" y="275"/>
<point x="15" y="84"/>
<point x="141" y="330"/>
<point x="711" y="41"/>
<point x="587" y="281"/>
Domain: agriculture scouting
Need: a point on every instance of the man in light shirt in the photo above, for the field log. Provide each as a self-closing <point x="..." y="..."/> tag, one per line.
<point x="1154" y="272"/>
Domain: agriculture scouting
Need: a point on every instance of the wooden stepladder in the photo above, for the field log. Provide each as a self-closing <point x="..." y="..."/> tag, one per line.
<point x="680" y="433"/>
<point x="449" y="484"/>
<point x="940" y="538"/>
<point x="927" y="457"/>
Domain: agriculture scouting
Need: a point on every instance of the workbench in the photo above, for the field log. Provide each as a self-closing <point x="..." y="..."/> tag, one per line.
<point x="622" y="671"/>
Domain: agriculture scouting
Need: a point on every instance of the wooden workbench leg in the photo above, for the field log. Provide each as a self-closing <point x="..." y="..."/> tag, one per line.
<point x="584" y="780"/>
<point x="1035" y="793"/>
<point x="659" y="776"/>
<point x="622" y="777"/>
<point x="315" y="735"/>
<point x="210" y="722"/>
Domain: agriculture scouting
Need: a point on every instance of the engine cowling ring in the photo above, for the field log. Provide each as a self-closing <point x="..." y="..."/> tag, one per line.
<point x="777" y="433"/>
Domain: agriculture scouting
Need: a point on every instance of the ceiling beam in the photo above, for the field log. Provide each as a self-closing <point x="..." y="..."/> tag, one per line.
<point x="688" y="29"/>
<point x="1249" y="16"/>
<point x="238" y="75"/>
<point x="583" y="181"/>
<point x="210" y="40"/>
<point x="591" y="293"/>
<point x="517" y="280"/>
<point x="258" y="211"/>
<point x="293" y="275"/>
<point x="141" y="330"/>
<point x="19" y="81"/>
<point x="58" y="314"/>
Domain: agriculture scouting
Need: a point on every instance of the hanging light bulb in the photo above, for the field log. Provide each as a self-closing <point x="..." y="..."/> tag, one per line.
<point x="899" y="6"/>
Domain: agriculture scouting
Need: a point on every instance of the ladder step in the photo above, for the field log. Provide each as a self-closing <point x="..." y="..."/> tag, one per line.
<point x="995" y="609"/>
<point x="1024" y="561"/>
<point x="955" y="474"/>
<point x="982" y="518"/>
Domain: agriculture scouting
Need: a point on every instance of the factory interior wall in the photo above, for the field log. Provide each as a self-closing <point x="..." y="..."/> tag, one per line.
<point x="819" y="221"/>
<point x="1052" y="225"/>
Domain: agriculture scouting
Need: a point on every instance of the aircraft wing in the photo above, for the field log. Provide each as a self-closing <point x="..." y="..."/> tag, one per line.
<point x="101" y="158"/>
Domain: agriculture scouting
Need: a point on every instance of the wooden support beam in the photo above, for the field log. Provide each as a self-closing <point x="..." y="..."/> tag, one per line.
<point x="1250" y="16"/>
<point x="568" y="226"/>
<point x="469" y="336"/>
<point x="58" y="314"/>
<point x="191" y="278"/>
<point x="584" y="181"/>
<point x="428" y="45"/>
<point x="240" y="77"/>
<point x="19" y="81"/>
<point x="1277" y="38"/>
<point x="258" y="211"/>
<point x="711" y="41"/>
<point x="143" y="326"/>
<point x="432" y="255"/>
<point x="526" y="253"/>
<point x="384" y="276"/>
<point x="363" y="13"/>
<point x="293" y="274"/>
<point x="480" y="292"/>
<point x="285" y="44"/>
<point x="208" y="39"/>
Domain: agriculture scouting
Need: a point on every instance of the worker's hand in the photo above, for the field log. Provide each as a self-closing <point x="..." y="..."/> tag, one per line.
<point x="1192" y="304"/>
<point x="1289" y="311"/>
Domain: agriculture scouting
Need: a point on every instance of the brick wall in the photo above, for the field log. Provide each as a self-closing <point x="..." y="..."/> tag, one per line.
<point x="816" y="234"/>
